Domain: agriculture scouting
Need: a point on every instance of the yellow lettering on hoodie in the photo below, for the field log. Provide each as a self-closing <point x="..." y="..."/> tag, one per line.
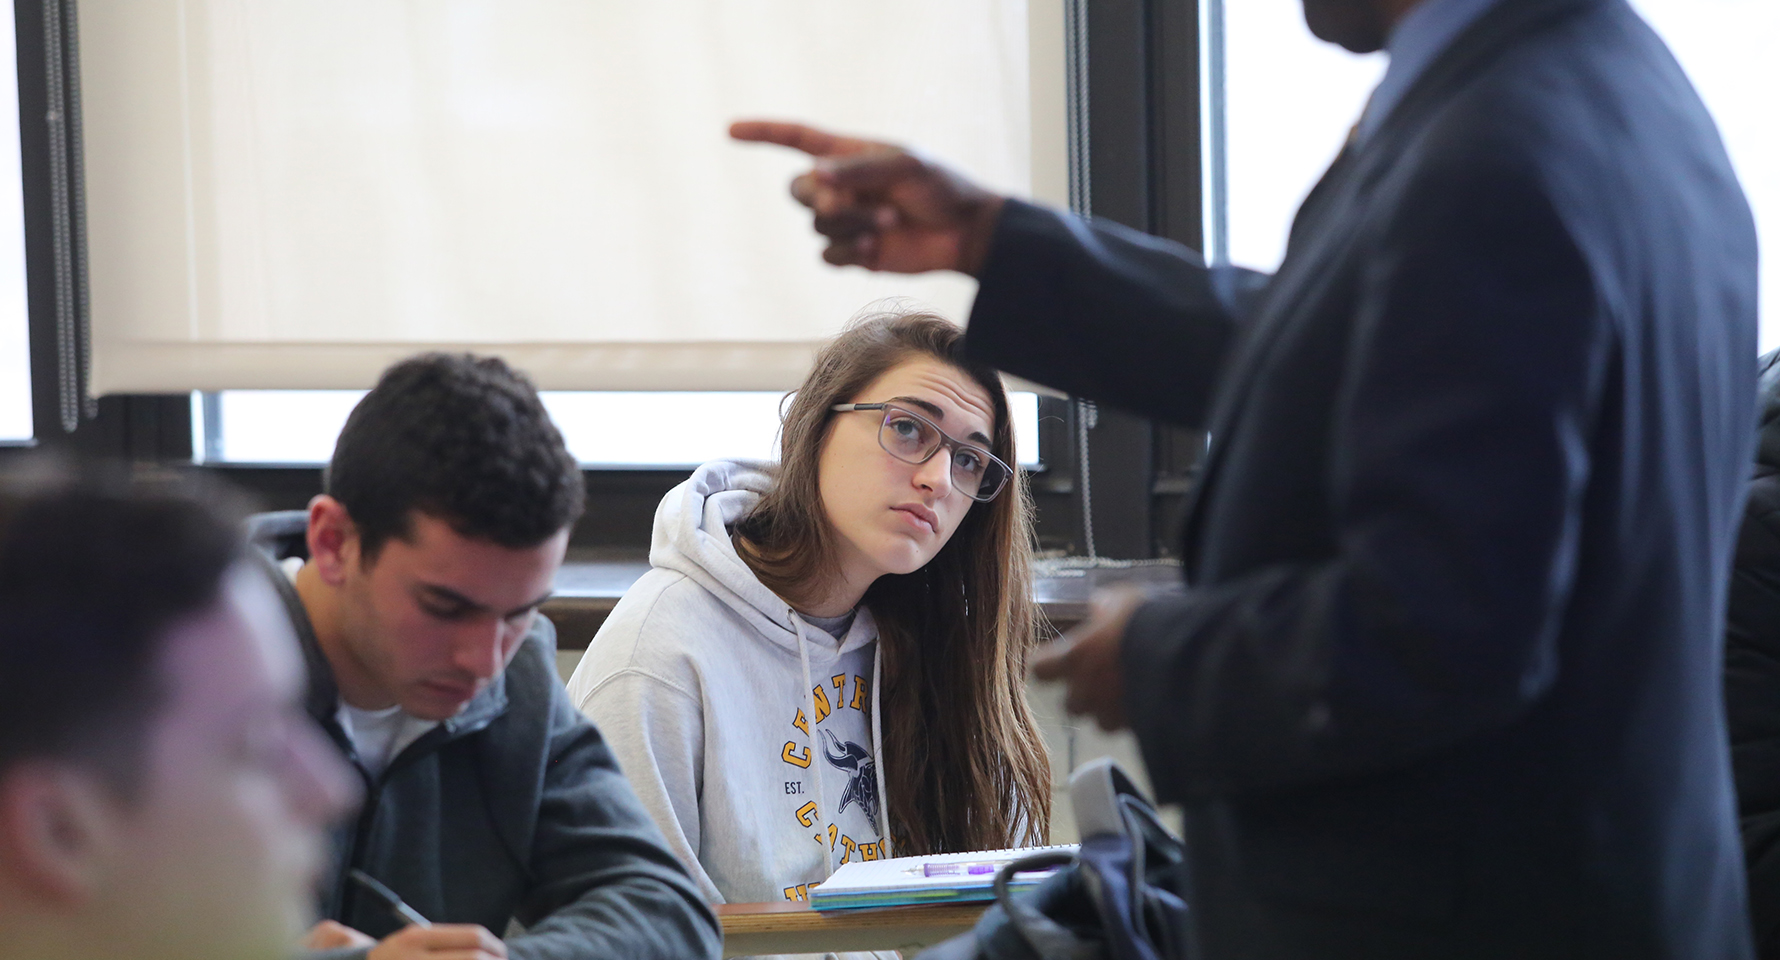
<point x="789" y="755"/>
<point x="822" y="707"/>
<point x="861" y="692"/>
<point x="806" y="815"/>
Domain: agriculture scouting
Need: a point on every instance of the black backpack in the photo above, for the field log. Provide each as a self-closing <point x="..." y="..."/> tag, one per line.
<point x="1121" y="896"/>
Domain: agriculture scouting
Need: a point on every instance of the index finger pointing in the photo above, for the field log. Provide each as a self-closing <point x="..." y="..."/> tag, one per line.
<point x="797" y="136"/>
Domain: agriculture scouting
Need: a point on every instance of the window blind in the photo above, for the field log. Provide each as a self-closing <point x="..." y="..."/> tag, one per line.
<point x="294" y="193"/>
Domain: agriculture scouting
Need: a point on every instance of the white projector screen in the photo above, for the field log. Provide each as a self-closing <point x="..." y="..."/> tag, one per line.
<point x="293" y="193"/>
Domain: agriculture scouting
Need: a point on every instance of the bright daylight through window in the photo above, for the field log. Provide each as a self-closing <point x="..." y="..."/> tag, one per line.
<point x="602" y="429"/>
<point x="1291" y="98"/>
<point x="484" y="155"/>
<point x="15" y="352"/>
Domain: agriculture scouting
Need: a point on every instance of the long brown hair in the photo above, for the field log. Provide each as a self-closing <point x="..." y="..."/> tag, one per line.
<point x="961" y="750"/>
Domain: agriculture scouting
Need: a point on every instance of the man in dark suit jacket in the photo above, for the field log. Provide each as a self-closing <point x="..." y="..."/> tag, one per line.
<point x="1446" y="679"/>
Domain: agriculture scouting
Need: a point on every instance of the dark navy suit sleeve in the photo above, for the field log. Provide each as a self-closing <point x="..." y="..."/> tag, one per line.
<point x="1460" y="454"/>
<point x="1100" y="311"/>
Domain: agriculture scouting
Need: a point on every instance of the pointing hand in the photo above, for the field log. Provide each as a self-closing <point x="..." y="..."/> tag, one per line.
<point x="883" y="207"/>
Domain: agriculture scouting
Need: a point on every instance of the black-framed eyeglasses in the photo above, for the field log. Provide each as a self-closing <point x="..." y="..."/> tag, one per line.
<point x="912" y="438"/>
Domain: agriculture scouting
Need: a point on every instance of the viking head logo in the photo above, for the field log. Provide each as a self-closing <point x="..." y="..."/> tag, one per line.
<point x="862" y="774"/>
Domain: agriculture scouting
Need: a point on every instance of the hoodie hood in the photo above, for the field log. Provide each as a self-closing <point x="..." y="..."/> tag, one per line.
<point x="747" y="731"/>
<point x="692" y="538"/>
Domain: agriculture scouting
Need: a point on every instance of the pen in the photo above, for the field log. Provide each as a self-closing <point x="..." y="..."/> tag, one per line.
<point x="388" y="898"/>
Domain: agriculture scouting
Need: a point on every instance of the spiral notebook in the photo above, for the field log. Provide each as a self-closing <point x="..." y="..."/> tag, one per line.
<point x="941" y="878"/>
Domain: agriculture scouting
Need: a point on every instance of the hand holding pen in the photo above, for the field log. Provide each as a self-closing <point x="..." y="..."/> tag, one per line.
<point x="396" y="905"/>
<point x="419" y="940"/>
<point x="459" y="941"/>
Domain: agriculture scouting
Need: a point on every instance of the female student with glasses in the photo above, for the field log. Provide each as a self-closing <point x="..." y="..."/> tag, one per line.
<point x="826" y="660"/>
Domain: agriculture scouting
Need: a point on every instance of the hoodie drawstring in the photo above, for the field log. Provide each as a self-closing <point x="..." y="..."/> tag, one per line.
<point x="877" y="745"/>
<point x="877" y="740"/>
<point x="809" y="692"/>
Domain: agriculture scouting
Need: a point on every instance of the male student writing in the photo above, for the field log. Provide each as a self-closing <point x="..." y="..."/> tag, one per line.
<point x="488" y="798"/>
<point x="162" y="793"/>
<point x="1445" y="682"/>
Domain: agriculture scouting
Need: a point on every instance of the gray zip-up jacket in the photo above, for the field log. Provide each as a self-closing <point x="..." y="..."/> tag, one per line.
<point x="512" y="810"/>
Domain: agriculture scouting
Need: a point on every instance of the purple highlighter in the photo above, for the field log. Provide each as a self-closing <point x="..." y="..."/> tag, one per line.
<point x="976" y="869"/>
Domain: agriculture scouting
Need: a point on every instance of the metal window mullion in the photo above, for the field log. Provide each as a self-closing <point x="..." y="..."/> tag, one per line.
<point x="77" y="194"/>
<point x="1081" y="201"/>
<point x="1075" y="33"/>
<point x="67" y="215"/>
<point x="1216" y="136"/>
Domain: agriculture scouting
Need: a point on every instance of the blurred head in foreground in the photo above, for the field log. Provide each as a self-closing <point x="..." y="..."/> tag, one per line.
<point x="161" y="791"/>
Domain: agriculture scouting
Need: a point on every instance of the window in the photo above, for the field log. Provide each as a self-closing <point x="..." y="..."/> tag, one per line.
<point x="1290" y="98"/>
<point x="1727" y="48"/>
<point x="275" y="201"/>
<point x="516" y="179"/>
<point x="15" y="329"/>
<point x="611" y="430"/>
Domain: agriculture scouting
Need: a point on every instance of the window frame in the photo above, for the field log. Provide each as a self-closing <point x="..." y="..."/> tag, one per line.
<point x="1143" y="147"/>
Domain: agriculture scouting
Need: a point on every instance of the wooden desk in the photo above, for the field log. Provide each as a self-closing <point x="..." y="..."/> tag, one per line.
<point x="753" y="928"/>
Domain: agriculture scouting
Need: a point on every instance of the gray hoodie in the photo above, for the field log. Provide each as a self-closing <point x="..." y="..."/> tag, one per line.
<point x="704" y="683"/>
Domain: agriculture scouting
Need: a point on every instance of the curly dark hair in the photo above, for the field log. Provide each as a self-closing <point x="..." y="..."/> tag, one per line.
<point x="461" y="438"/>
<point x="95" y="566"/>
